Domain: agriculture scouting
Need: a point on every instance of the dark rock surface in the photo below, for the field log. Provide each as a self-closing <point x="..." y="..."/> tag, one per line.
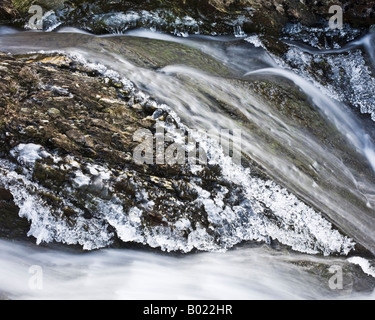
<point x="7" y="11"/>
<point x="205" y="16"/>
<point x="11" y="225"/>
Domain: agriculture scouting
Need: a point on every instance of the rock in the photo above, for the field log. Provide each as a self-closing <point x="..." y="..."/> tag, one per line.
<point x="76" y="136"/>
<point x="80" y="174"/>
<point x="23" y="6"/>
<point x="53" y="112"/>
<point x="7" y="10"/>
<point x="11" y="225"/>
<point x="193" y="16"/>
<point x="57" y="61"/>
<point x="97" y="134"/>
<point x="87" y="170"/>
<point x="5" y="195"/>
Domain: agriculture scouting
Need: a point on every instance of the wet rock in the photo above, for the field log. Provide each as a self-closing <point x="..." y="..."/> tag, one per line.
<point x="53" y="112"/>
<point x="87" y="159"/>
<point x="69" y="164"/>
<point x="11" y="225"/>
<point x="23" y="6"/>
<point x="7" y="11"/>
<point x="191" y="17"/>
<point x="57" y="61"/>
<point x="353" y="278"/>
<point x="5" y="195"/>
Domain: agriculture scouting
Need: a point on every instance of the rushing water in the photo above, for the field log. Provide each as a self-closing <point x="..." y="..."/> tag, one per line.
<point x="327" y="160"/>
<point x="241" y="274"/>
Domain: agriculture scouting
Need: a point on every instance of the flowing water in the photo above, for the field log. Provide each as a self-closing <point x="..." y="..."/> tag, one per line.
<point x="242" y="274"/>
<point x="315" y="146"/>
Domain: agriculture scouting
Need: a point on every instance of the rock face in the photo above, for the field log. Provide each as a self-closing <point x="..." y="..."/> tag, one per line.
<point x="205" y="17"/>
<point x="69" y="134"/>
<point x="84" y="180"/>
<point x="26" y="99"/>
<point x="87" y="122"/>
<point x="11" y="225"/>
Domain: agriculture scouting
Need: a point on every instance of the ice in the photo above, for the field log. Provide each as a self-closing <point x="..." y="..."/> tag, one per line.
<point x="45" y="226"/>
<point x="304" y="229"/>
<point x="28" y="154"/>
<point x="119" y="22"/>
<point x="349" y="79"/>
<point x="81" y="179"/>
<point x="297" y="226"/>
<point x="239" y="33"/>
<point x="51" y="22"/>
<point x="255" y="40"/>
<point x="314" y="36"/>
<point x="364" y="264"/>
<point x="128" y="226"/>
<point x="183" y="224"/>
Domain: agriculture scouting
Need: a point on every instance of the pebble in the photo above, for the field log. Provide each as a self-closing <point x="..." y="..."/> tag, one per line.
<point x="53" y="112"/>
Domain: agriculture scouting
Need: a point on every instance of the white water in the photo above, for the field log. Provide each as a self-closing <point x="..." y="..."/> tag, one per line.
<point x="177" y="85"/>
<point x="245" y="273"/>
<point x="193" y="96"/>
<point x="367" y="42"/>
<point x="342" y="117"/>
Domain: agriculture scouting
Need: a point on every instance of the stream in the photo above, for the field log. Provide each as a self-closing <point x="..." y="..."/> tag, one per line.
<point x="246" y="273"/>
<point x="319" y="153"/>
